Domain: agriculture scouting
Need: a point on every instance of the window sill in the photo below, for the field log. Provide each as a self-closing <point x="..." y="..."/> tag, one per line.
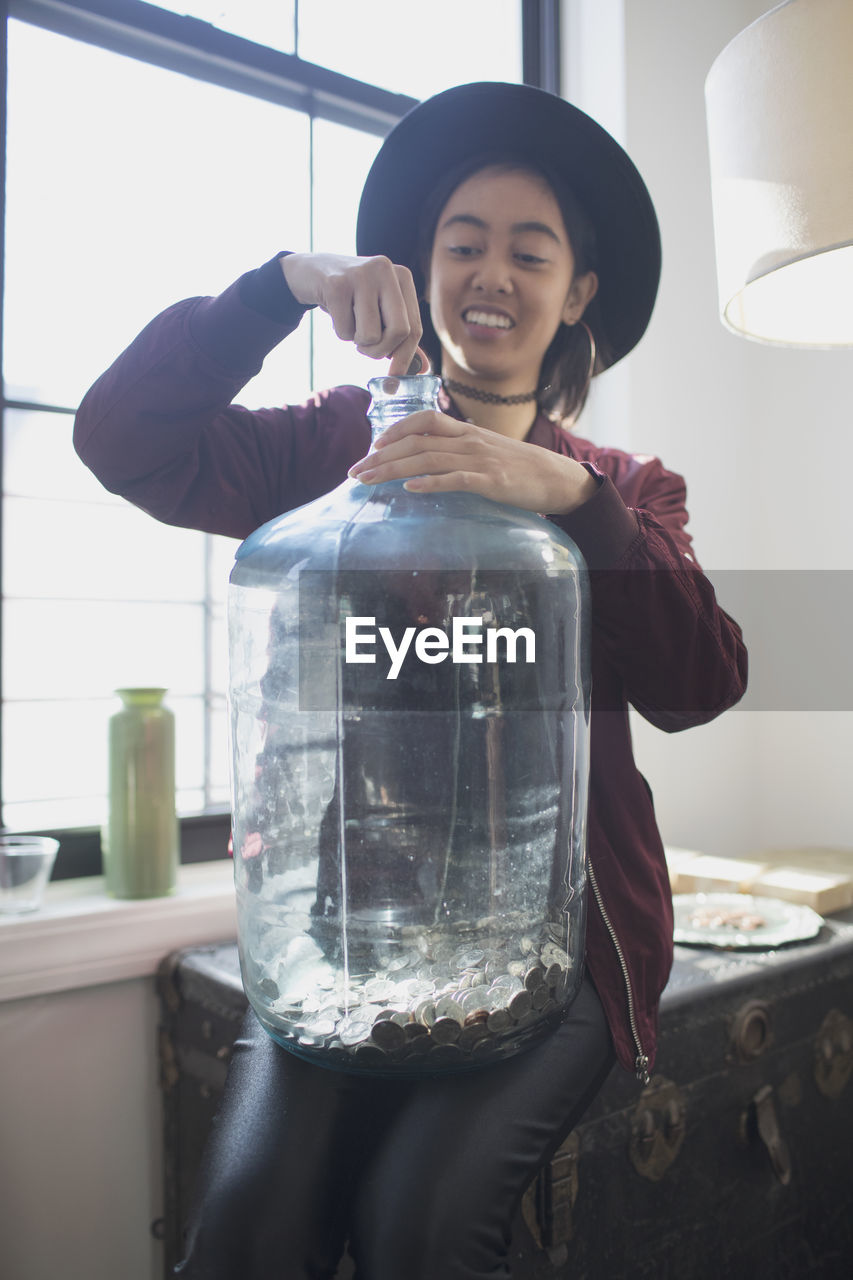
<point x="83" y="938"/>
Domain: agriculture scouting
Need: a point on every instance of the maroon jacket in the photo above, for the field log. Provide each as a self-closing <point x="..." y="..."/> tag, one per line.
<point x="159" y="428"/>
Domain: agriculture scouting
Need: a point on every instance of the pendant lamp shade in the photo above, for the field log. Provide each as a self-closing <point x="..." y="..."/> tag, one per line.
<point x="780" y="131"/>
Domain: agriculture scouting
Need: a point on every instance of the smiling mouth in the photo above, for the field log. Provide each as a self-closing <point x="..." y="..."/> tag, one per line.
<point x="488" y="319"/>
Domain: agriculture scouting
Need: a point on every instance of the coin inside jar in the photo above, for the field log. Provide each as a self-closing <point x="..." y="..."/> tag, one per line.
<point x="444" y="1055"/>
<point x="474" y="999"/>
<point x="540" y="997"/>
<point x="499" y="1020"/>
<point x="352" y="1031"/>
<point x="478" y="1016"/>
<point x="388" y="1035"/>
<point x="471" y="1033"/>
<point x="424" y="992"/>
<point x="519" y="1005"/>
<point x="445" y="1030"/>
<point x="369" y="1054"/>
<point x="534" y="977"/>
<point x="320" y="1027"/>
<point x="379" y="989"/>
<point x="449" y="1007"/>
<point x="425" y="1012"/>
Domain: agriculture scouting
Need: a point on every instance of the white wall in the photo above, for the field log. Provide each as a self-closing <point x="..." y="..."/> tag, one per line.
<point x="81" y="1148"/>
<point x="761" y="434"/>
<point x="81" y="1135"/>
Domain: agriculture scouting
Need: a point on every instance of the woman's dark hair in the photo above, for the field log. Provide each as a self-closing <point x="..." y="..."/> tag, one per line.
<point x="564" y="378"/>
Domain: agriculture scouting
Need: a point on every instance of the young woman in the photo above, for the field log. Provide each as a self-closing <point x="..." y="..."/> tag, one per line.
<point x="508" y="234"/>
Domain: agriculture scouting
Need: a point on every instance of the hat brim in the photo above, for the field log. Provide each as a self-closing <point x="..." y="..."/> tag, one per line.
<point x="460" y="123"/>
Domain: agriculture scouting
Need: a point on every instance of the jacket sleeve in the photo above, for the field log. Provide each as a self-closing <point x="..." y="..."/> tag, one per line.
<point x="159" y="426"/>
<point x="660" y="639"/>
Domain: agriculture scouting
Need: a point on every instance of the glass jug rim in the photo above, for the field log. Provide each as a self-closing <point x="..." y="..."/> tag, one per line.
<point x="417" y="385"/>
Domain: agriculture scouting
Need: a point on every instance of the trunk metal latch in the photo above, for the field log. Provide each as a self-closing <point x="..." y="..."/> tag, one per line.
<point x="751" y="1032"/>
<point x="657" y="1128"/>
<point x="834" y="1053"/>
<point x="761" y="1119"/>
<point x="548" y="1203"/>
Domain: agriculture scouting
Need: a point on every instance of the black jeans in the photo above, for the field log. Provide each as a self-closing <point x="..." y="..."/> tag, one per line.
<point x="423" y="1177"/>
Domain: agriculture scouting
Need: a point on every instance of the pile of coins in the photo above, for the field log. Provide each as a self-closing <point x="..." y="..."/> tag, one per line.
<point x="436" y="1005"/>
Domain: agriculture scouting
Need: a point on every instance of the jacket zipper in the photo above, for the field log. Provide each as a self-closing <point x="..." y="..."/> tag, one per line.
<point x="641" y="1061"/>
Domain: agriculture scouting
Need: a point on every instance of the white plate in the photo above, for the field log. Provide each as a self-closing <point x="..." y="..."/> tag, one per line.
<point x="781" y="921"/>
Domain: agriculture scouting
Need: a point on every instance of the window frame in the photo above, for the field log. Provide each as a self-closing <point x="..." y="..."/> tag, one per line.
<point x="201" y="51"/>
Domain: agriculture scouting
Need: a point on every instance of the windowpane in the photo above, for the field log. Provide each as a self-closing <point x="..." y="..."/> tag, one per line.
<point x="145" y="188"/>
<point x="47" y="814"/>
<point x="189" y="745"/>
<point x="222" y="552"/>
<point x="59" y="748"/>
<point x="342" y="158"/>
<point x="267" y="22"/>
<point x="286" y="375"/>
<point x="39" y="460"/>
<point x="218" y="651"/>
<point x="219" y="751"/>
<point x="57" y="754"/>
<point x="94" y="647"/>
<point x="412" y="48"/>
<point x="74" y="550"/>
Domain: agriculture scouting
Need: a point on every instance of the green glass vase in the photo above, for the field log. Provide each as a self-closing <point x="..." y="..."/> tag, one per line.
<point x="140" y="840"/>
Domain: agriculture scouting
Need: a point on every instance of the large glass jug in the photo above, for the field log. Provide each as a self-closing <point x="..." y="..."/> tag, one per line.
<point x="409" y="714"/>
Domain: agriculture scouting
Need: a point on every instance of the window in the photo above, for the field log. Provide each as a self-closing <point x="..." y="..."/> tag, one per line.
<point x="135" y="134"/>
<point x="269" y="22"/>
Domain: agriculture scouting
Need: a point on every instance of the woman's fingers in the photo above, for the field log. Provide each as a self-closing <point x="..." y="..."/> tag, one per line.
<point x="434" y="461"/>
<point x="405" y="351"/>
<point x="430" y="442"/>
<point x="433" y="453"/>
<point x="388" y="318"/>
<point x="378" y="309"/>
<point x="429" y="422"/>
<point x="430" y="431"/>
<point x="370" y="301"/>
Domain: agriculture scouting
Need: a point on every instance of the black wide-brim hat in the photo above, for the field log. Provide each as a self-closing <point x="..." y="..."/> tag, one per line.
<point x="471" y="119"/>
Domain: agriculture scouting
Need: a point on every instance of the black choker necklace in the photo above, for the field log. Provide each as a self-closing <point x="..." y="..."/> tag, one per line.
<point x="488" y="397"/>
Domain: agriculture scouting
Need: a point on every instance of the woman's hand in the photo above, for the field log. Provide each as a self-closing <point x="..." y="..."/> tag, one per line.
<point x="437" y="454"/>
<point x="371" y="302"/>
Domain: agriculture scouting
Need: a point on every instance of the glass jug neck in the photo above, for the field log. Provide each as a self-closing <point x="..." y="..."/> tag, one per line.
<point x="395" y="398"/>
